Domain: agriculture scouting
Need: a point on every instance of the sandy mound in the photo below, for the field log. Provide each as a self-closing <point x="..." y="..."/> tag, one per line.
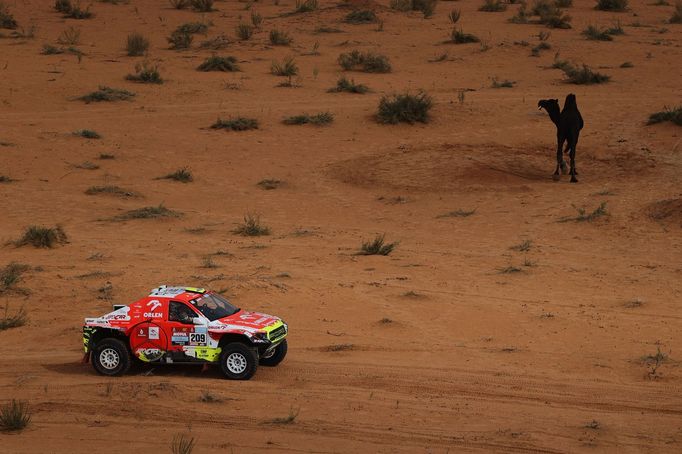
<point x="668" y="211"/>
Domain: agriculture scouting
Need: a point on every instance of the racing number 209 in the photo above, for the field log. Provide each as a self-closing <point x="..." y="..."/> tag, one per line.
<point x="197" y="338"/>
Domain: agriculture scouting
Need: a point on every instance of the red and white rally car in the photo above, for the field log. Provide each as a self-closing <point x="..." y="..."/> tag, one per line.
<point x="184" y="325"/>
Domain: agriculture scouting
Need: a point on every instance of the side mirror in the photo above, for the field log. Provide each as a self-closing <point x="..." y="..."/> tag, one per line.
<point x="197" y="320"/>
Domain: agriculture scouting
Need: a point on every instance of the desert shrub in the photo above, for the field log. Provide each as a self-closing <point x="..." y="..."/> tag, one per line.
<point x="182" y="175"/>
<point x="627" y="64"/>
<point x="182" y="444"/>
<point x="458" y="213"/>
<point x="256" y="19"/>
<point x="287" y="68"/>
<point x="522" y="16"/>
<point x="216" y="63"/>
<point x="349" y="86"/>
<point x="69" y="36"/>
<point x="178" y="40"/>
<point x="146" y="73"/>
<point x="596" y="34"/>
<point x="459" y="37"/>
<point x="322" y="118"/>
<point x="236" y="124"/>
<point x="319" y="30"/>
<point x="401" y="5"/>
<point x="676" y="18"/>
<point x="6" y="18"/>
<point x="14" y="415"/>
<point x="361" y="16"/>
<point x="110" y="190"/>
<point x="493" y="6"/>
<point x="427" y="7"/>
<point x="269" y="184"/>
<point x="217" y="43"/>
<point x="454" y="16"/>
<point x="62" y="6"/>
<point x="612" y="5"/>
<point x="406" y="108"/>
<point x="245" y="31"/>
<point x="551" y="15"/>
<point x="293" y="413"/>
<point x="136" y="45"/>
<point x="251" y="227"/>
<point x="5" y="179"/>
<point x="15" y="320"/>
<point x="10" y="276"/>
<point x="502" y="83"/>
<point x="279" y="38"/>
<point x="78" y="12"/>
<point x="87" y="134"/>
<point x="192" y="28"/>
<point x="180" y="4"/>
<point x="535" y="51"/>
<point x="305" y="6"/>
<point x="154" y="212"/>
<point x="584" y="216"/>
<point x="378" y="246"/>
<point x="107" y="94"/>
<point x="42" y="237"/>
<point x="671" y="114"/>
<point x="364" y="61"/>
<point x="563" y="3"/>
<point x="204" y="6"/>
<point x="584" y="75"/>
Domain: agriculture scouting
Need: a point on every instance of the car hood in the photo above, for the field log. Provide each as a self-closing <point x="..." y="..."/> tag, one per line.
<point x="244" y="320"/>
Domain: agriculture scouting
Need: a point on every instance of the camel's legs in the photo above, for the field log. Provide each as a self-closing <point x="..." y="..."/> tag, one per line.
<point x="559" y="159"/>
<point x="571" y="154"/>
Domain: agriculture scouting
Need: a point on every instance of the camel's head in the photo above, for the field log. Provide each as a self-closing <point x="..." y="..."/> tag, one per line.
<point x="548" y="104"/>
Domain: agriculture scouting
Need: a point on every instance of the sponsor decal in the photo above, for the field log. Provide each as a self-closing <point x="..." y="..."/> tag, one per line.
<point x="207" y="353"/>
<point x="152" y="315"/>
<point x="142" y="333"/>
<point x="154" y="332"/>
<point x="149" y="354"/>
<point x="153" y="304"/>
<point x="200" y="329"/>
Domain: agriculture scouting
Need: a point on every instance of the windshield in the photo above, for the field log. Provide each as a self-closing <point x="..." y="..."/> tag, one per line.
<point x="214" y="306"/>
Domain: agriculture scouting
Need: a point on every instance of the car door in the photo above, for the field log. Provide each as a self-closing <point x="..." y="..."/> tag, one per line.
<point x="183" y="335"/>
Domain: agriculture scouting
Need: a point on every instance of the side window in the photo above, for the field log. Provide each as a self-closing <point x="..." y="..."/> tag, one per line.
<point x="180" y="312"/>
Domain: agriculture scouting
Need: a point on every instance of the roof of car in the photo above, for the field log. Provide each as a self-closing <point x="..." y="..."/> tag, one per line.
<point x="179" y="292"/>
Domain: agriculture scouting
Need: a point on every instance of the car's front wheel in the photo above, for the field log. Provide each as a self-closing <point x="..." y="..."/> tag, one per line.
<point x="111" y="357"/>
<point x="238" y="361"/>
<point x="276" y="356"/>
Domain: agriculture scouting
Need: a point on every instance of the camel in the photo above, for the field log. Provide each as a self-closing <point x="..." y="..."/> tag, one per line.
<point x="568" y="123"/>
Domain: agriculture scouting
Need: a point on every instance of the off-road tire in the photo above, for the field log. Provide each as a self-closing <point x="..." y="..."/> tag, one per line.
<point x="111" y="357"/>
<point x="277" y="357"/>
<point x="238" y="361"/>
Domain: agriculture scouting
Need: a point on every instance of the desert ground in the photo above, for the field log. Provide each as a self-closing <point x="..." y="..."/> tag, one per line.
<point x="502" y="321"/>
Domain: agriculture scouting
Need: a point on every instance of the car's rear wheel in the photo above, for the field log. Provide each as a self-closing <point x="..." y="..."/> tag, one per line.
<point x="276" y="356"/>
<point x="238" y="361"/>
<point x="111" y="357"/>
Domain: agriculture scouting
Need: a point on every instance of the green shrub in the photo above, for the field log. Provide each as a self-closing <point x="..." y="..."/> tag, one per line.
<point x="251" y="227"/>
<point x="427" y="7"/>
<point x="107" y="94"/>
<point x="563" y="3"/>
<point x="77" y="12"/>
<point x="584" y="75"/>
<point x="69" y="36"/>
<point x="87" y="134"/>
<point x="180" y="4"/>
<point x="459" y="37"/>
<point x="182" y="444"/>
<point x="193" y="28"/>
<point x="204" y="6"/>
<point x="364" y="61"/>
<point x="376" y="247"/>
<point x="6" y="18"/>
<point x="584" y="216"/>
<point x="401" y="5"/>
<point x="493" y="6"/>
<point x="612" y="5"/>
<point x="322" y="118"/>
<point x="673" y="115"/>
<point x="110" y="190"/>
<point x="62" y="6"/>
<point x="349" y="86"/>
<point x="16" y="320"/>
<point x="216" y="63"/>
<point x="405" y="108"/>
<point x="236" y="124"/>
<point x="10" y="276"/>
<point x="279" y="38"/>
<point x="154" y="212"/>
<point x="42" y="237"/>
<point x="361" y="16"/>
<point x="14" y="416"/>
<point x="306" y="6"/>
<point x="245" y="31"/>
<point x="178" y="40"/>
<point x="256" y="19"/>
<point x="596" y="34"/>
<point x="287" y="68"/>
<point x="136" y="45"/>
<point x="146" y="73"/>
<point x="182" y="175"/>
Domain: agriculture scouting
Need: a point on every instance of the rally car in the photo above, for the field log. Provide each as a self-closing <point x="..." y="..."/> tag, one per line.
<point x="184" y="325"/>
